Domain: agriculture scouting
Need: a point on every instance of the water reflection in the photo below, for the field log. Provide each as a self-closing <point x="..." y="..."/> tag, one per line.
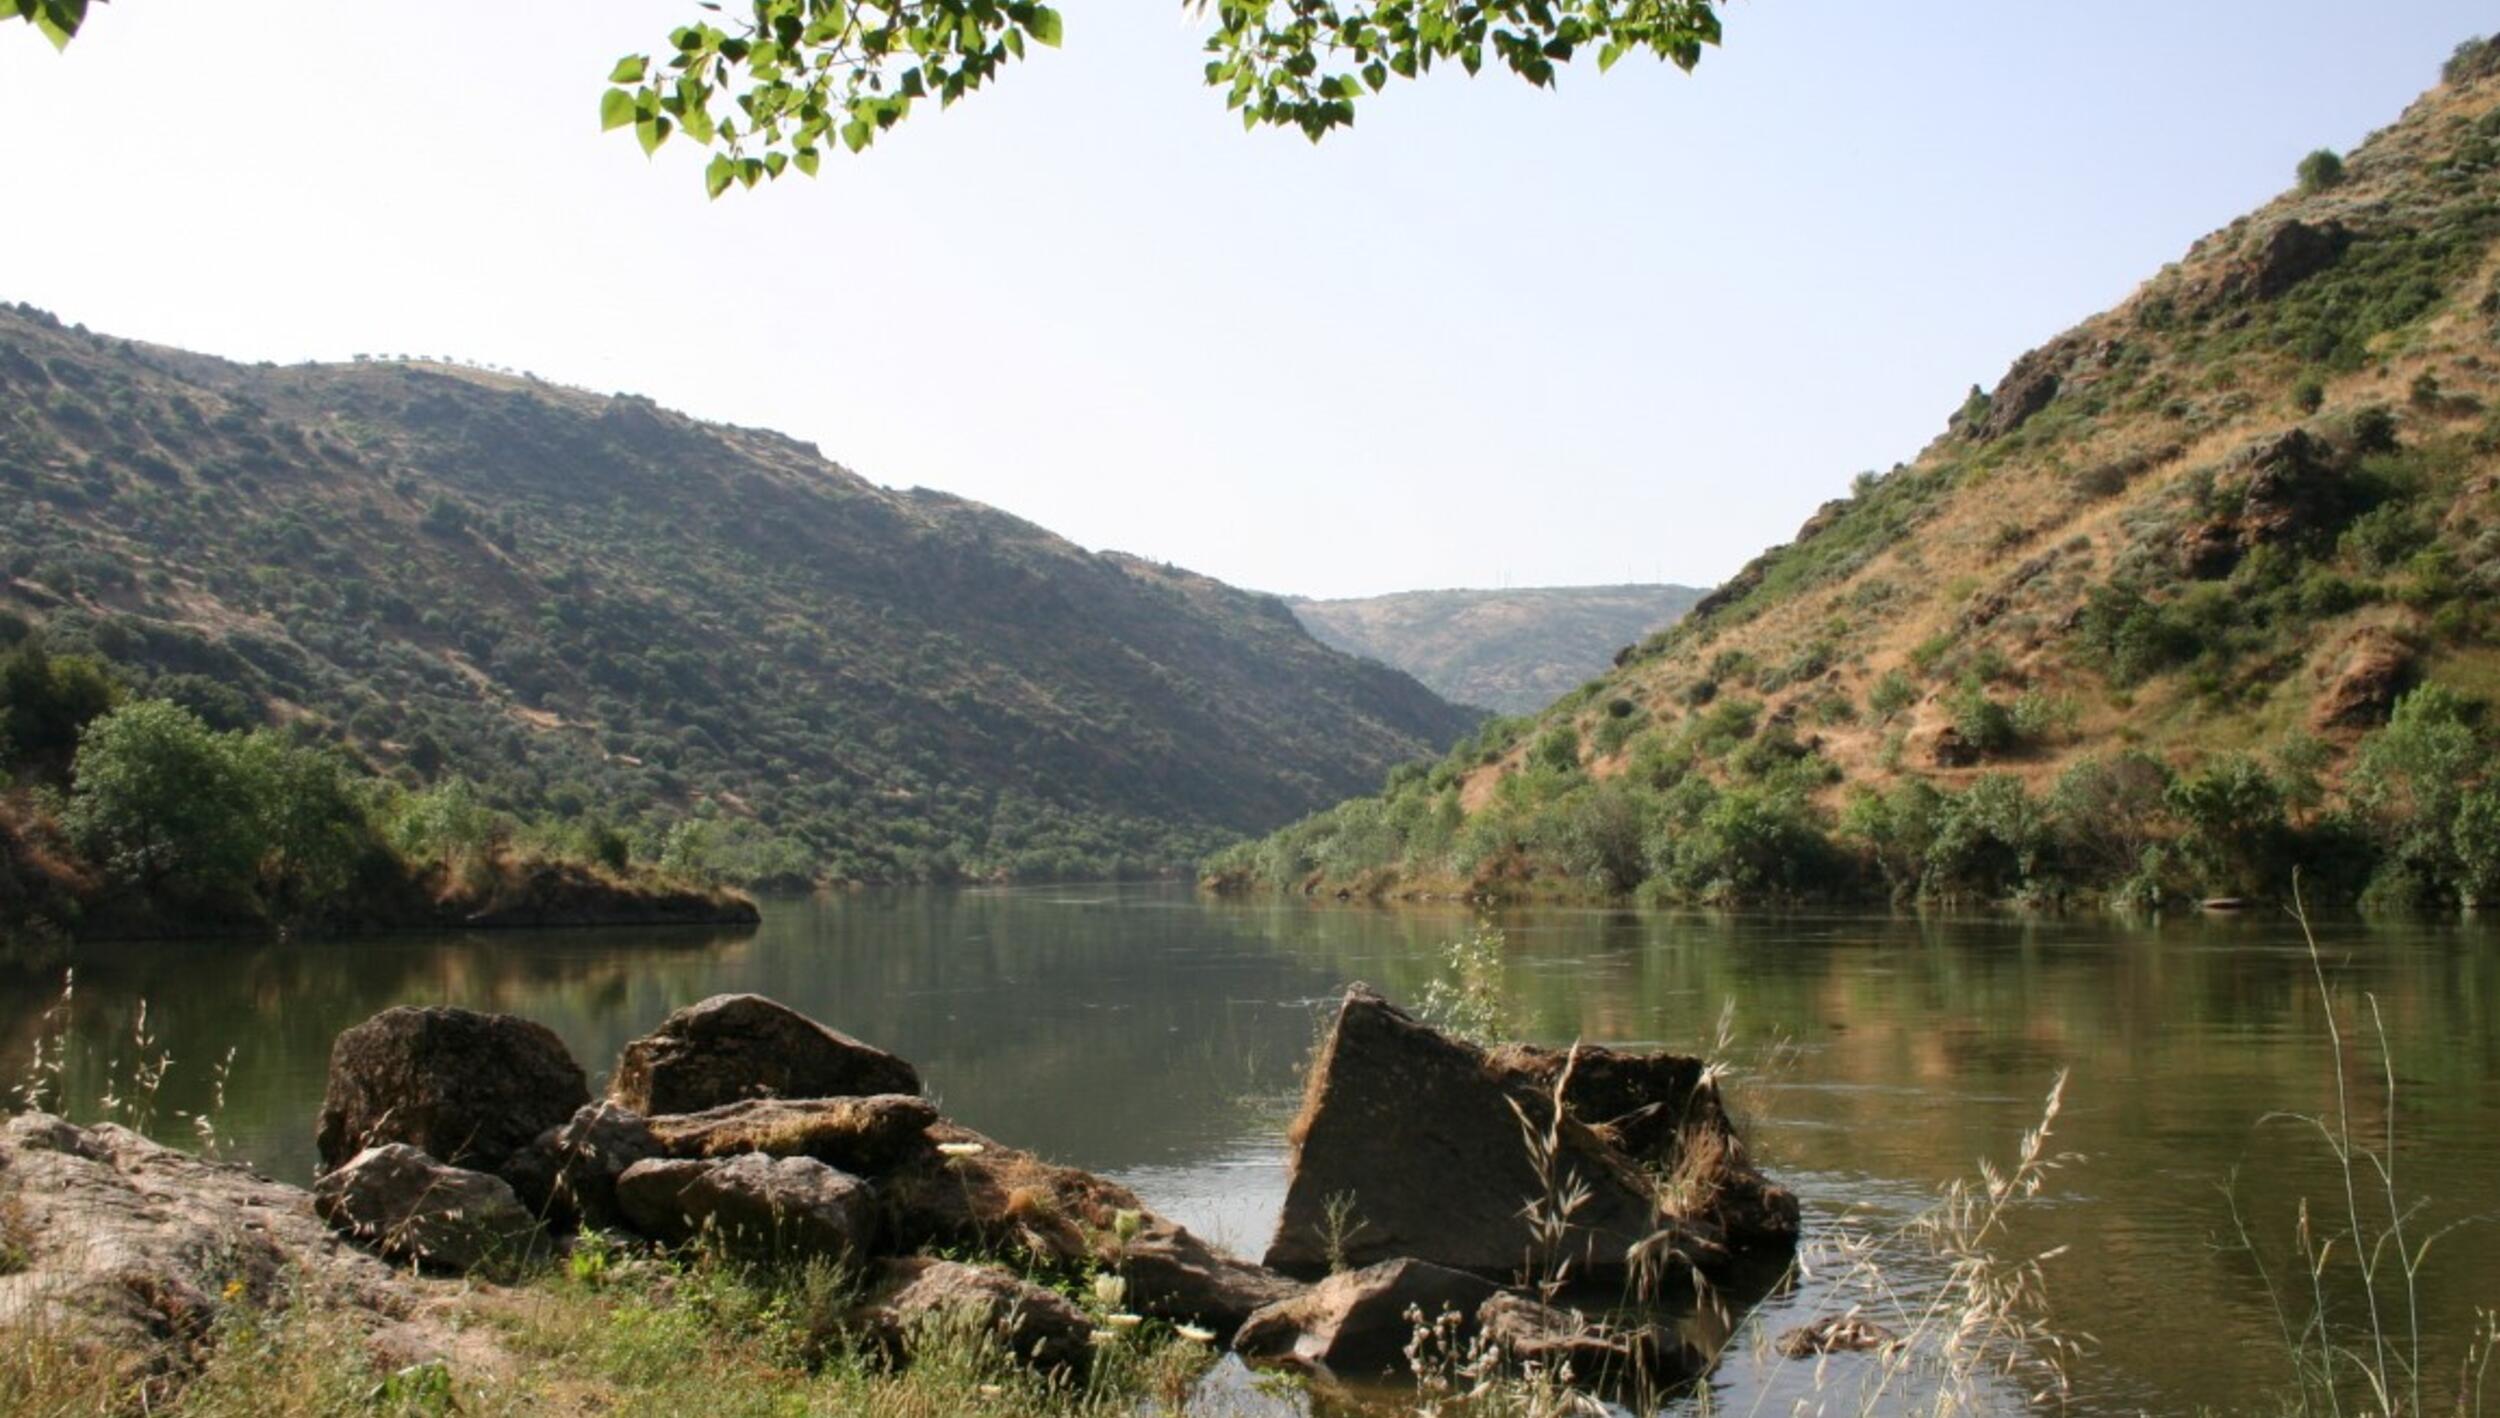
<point x="1151" y="1034"/>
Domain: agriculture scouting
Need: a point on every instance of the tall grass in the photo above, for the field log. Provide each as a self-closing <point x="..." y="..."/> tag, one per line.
<point x="2368" y="1240"/>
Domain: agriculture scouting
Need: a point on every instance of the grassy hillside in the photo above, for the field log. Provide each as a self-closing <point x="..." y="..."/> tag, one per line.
<point x="596" y="608"/>
<point x="1511" y="651"/>
<point x="2134" y="625"/>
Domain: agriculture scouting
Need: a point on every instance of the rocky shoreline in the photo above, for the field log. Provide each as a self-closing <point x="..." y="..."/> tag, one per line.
<point x="1474" y="1191"/>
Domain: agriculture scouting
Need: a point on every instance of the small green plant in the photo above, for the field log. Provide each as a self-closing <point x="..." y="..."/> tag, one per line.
<point x="1338" y="1226"/>
<point x="1891" y="695"/>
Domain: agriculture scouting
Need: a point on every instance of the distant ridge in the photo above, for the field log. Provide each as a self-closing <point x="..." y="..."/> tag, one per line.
<point x="1511" y="651"/>
<point x="593" y="605"/>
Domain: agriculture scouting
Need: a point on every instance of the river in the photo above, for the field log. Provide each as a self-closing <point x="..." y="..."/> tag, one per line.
<point x="1158" y="1036"/>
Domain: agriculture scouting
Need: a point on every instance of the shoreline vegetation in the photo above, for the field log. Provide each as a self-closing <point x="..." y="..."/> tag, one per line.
<point x="130" y="818"/>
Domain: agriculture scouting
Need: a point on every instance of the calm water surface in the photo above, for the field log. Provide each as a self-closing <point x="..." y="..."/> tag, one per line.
<point x="1158" y="1037"/>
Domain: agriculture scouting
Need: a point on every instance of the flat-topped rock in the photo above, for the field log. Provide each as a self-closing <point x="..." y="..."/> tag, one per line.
<point x="865" y="1135"/>
<point x="773" y="1208"/>
<point x="734" y="1047"/>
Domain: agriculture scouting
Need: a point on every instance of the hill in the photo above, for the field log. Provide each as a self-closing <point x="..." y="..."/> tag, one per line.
<point x="594" y="607"/>
<point x="1510" y="651"/>
<point x="2200" y="592"/>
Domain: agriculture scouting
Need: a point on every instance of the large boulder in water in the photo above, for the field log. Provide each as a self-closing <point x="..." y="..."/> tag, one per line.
<point x="866" y="1135"/>
<point x="734" y="1047"/>
<point x="405" y="1206"/>
<point x="776" y="1208"/>
<point x="1414" y="1144"/>
<point x="466" y="1089"/>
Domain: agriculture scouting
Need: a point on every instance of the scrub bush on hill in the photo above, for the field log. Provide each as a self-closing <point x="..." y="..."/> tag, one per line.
<point x="2418" y="824"/>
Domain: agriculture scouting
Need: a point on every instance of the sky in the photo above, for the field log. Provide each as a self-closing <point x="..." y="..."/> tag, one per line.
<point x="1633" y="329"/>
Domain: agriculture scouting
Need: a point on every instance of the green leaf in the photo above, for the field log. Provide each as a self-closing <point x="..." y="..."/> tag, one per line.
<point x="717" y="175"/>
<point x="807" y="160"/>
<point x="651" y="132"/>
<point x="1607" y="56"/>
<point x="616" y="109"/>
<point x="1046" y="25"/>
<point x="856" y="133"/>
<point x="629" y="69"/>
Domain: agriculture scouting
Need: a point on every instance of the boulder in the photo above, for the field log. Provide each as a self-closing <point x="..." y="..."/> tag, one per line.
<point x="131" y="1251"/>
<point x="568" y="1174"/>
<point x="766" y="1207"/>
<point x="1039" y="1327"/>
<point x="1953" y="750"/>
<point x="866" y="1135"/>
<point x="2289" y="253"/>
<point x="1413" y="1144"/>
<point x="1356" y="1323"/>
<point x="733" y="1047"/>
<point x="969" y="1192"/>
<point x="1408" y="1145"/>
<point x="2371" y="669"/>
<point x="405" y="1206"/>
<point x="2211" y="549"/>
<point x="1557" y="1342"/>
<point x="465" y="1088"/>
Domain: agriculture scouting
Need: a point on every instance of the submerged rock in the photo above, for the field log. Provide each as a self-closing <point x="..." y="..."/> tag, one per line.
<point x="733" y="1047"/>
<point x="398" y="1202"/>
<point x="866" y="1135"/>
<point x="1835" y="1334"/>
<point x="778" y="1208"/>
<point x="1593" y="1354"/>
<point x="1411" y="1143"/>
<point x="465" y="1088"/>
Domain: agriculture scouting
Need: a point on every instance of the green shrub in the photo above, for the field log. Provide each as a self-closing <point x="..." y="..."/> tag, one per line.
<point x="2321" y="170"/>
<point x="1891" y="695"/>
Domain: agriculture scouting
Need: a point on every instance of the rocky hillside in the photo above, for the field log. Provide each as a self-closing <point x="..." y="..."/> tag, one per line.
<point x="1510" y="651"/>
<point x="2136" y="623"/>
<point x="594" y="607"/>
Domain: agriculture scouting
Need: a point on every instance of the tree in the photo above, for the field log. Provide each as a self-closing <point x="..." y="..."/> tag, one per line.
<point x="786" y="79"/>
<point x="160" y="801"/>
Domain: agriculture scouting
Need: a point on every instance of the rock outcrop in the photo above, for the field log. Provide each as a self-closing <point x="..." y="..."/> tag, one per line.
<point x="405" y="1206"/>
<point x="1413" y="1144"/>
<point x="134" y="1250"/>
<point x="772" y="1208"/>
<point x="2370" y="670"/>
<point x="466" y="1089"/>
<point x="734" y="1047"/>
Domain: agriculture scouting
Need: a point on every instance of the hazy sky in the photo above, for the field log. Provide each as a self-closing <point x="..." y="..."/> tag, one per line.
<point x="1631" y="330"/>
